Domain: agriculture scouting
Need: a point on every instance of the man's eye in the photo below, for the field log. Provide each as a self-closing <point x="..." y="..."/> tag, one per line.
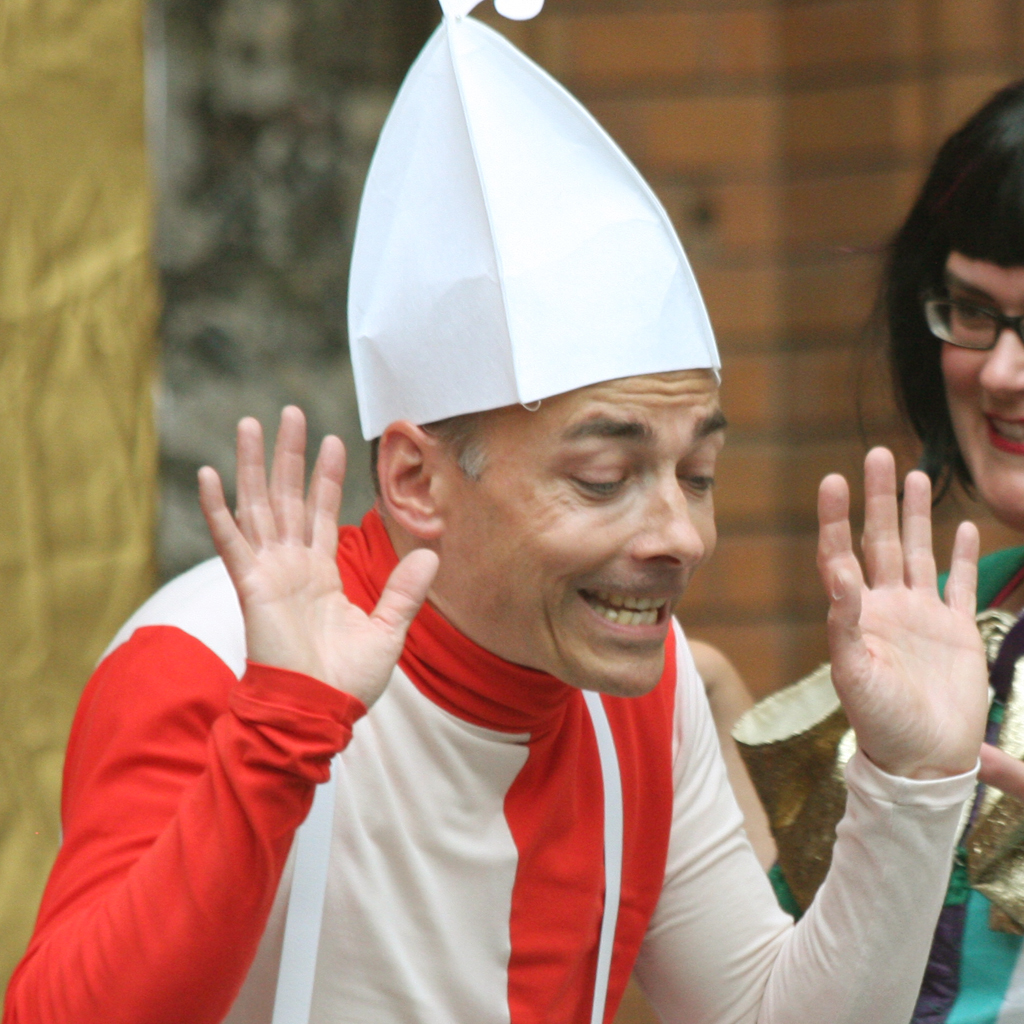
<point x="602" y="488"/>
<point x="700" y="484"/>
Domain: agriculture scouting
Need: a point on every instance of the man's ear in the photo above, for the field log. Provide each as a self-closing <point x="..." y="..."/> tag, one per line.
<point x="412" y="466"/>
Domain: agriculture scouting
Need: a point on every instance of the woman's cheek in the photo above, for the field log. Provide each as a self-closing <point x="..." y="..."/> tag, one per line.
<point x="960" y="370"/>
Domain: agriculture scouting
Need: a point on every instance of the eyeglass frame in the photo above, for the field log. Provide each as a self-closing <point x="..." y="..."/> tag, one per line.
<point x="1000" y="319"/>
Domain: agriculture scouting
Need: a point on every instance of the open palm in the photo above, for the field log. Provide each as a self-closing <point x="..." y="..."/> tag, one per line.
<point x="908" y="666"/>
<point x="280" y="551"/>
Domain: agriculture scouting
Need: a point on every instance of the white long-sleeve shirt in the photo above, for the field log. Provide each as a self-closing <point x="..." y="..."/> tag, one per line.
<point x="467" y="867"/>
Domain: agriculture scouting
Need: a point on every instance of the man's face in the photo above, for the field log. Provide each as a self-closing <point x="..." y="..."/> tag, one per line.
<point x="569" y="552"/>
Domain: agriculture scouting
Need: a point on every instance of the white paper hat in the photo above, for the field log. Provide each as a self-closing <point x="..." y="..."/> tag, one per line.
<point x="506" y="249"/>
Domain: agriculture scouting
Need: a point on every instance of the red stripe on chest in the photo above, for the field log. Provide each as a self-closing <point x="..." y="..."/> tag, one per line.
<point x="555" y="811"/>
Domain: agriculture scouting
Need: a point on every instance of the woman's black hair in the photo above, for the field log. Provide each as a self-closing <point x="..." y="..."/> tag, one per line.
<point x="972" y="203"/>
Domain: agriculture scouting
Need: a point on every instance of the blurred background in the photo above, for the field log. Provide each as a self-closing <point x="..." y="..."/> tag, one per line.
<point x="178" y="190"/>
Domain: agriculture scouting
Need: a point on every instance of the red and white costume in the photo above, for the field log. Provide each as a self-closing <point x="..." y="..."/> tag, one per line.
<point x="466" y="879"/>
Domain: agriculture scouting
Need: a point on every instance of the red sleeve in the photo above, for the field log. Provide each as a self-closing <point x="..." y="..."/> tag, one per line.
<point x="183" y="788"/>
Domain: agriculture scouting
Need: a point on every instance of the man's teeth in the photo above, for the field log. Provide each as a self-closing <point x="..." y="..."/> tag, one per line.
<point x="625" y="610"/>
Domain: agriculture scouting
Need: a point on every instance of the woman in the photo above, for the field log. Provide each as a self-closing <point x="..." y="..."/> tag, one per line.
<point x="953" y="298"/>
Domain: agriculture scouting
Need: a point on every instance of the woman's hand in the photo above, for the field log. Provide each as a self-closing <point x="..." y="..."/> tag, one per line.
<point x="908" y="667"/>
<point x="280" y="550"/>
<point x="1002" y="771"/>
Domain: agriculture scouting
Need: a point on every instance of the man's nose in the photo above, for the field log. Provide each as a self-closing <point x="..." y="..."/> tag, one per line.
<point x="669" y="530"/>
<point x="1004" y="367"/>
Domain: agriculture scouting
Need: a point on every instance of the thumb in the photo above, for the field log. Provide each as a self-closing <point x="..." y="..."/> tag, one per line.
<point x="405" y="592"/>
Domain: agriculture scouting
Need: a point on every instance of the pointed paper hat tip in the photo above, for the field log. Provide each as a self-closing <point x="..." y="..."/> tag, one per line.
<point x="516" y="10"/>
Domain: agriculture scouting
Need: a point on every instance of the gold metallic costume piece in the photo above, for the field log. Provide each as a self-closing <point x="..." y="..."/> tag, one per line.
<point x="77" y="454"/>
<point x="995" y="844"/>
<point x="790" y="742"/>
<point x="795" y="745"/>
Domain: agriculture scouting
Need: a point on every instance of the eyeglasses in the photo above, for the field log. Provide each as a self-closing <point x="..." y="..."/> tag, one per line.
<point x="968" y="326"/>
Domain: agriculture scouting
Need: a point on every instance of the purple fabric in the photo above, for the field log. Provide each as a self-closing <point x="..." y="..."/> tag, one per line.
<point x="1000" y="675"/>
<point x="941" y="983"/>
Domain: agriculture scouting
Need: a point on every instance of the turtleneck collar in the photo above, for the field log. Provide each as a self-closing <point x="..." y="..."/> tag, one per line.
<point x="445" y="665"/>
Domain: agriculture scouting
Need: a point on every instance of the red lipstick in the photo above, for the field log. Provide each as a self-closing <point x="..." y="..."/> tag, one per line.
<point x="1004" y="444"/>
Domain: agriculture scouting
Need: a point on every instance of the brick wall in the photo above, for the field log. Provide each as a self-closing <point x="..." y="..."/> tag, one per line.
<point x="786" y="140"/>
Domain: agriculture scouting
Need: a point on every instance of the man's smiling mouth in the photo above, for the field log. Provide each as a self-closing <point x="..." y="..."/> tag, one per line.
<point x="625" y="609"/>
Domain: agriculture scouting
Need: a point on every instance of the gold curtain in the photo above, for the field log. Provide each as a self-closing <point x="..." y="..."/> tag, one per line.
<point x="77" y="445"/>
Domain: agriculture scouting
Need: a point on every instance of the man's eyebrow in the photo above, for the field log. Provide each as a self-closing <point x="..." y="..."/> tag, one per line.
<point x="710" y="424"/>
<point x="634" y="430"/>
<point x="607" y="426"/>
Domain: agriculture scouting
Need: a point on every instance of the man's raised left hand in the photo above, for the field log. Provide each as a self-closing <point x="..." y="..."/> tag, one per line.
<point x="908" y="667"/>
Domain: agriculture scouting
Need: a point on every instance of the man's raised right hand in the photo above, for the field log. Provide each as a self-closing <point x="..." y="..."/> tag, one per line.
<point x="280" y="551"/>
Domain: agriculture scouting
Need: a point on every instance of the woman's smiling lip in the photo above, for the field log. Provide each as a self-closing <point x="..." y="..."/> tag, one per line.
<point x="999" y="440"/>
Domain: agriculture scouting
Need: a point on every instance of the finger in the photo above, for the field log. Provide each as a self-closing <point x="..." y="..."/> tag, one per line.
<point x="288" y="476"/>
<point x="962" y="583"/>
<point x="325" y="492"/>
<point x="1001" y="770"/>
<point x="918" y="557"/>
<point x="840" y="574"/>
<point x="227" y="538"/>
<point x="847" y="649"/>
<point x="405" y="592"/>
<point x="835" y="539"/>
<point x="252" y="508"/>
<point x="883" y="552"/>
<point x="846" y="645"/>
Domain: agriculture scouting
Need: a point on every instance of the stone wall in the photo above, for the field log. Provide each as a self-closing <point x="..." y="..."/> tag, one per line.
<point x="263" y="115"/>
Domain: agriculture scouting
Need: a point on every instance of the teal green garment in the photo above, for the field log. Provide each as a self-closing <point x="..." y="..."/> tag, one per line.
<point x="986" y="966"/>
<point x="988" y="958"/>
<point x="994" y="572"/>
<point x="783" y="893"/>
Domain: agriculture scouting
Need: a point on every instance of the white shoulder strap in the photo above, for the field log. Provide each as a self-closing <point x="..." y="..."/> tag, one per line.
<point x="613" y="825"/>
<point x="297" y="973"/>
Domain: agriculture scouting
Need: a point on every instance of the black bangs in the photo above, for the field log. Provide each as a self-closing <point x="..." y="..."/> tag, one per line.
<point x="975" y="192"/>
<point x="986" y="215"/>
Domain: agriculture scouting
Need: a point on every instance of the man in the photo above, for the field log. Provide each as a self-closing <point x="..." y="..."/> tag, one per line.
<point x="528" y="798"/>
